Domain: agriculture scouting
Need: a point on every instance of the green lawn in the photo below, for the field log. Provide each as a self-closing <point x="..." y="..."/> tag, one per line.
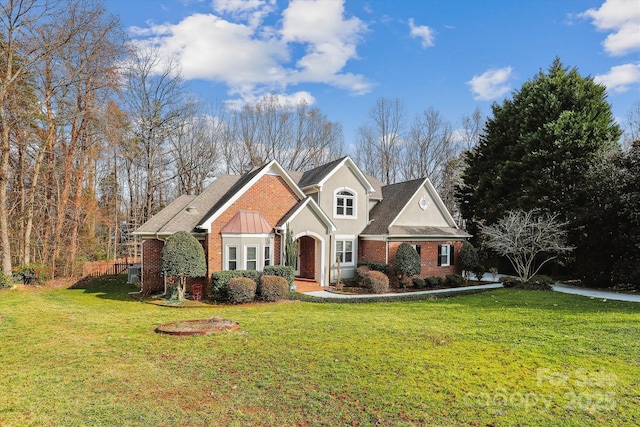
<point x="506" y="357"/>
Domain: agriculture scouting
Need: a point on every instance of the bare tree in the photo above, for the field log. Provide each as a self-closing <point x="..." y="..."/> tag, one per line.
<point x="153" y="97"/>
<point x="380" y="141"/>
<point x="297" y="136"/>
<point x="632" y="126"/>
<point x="471" y="130"/>
<point x="529" y="240"/>
<point x="429" y="147"/>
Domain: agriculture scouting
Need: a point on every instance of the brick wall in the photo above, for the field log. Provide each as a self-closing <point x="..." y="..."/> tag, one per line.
<point x="152" y="281"/>
<point x="372" y="251"/>
<point x="429" y="258"/>
<point x="271" y="196"/>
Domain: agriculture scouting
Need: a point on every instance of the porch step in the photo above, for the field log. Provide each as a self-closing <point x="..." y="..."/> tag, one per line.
<point x="306" y="285"/>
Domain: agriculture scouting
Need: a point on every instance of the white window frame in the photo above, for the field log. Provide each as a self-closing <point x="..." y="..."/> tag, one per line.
<point x="444" y="255"/>
<point x="267" y="256"/>
<point x="353" y="197"/>
<point x="228" y="256"/>
<point x="246" y="256"/>
<point x="343" y="252"/>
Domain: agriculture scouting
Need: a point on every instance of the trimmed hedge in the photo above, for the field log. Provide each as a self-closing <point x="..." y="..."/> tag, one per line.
<point x="377" y="282"/>
<point x="419" y="283"/>
<point x="220" y="280"/>
<point x="272" y="288"/>
<point x="361" y="274"/>
<point x="285" y="271"/>
<point x="455" y="280"/>
<point x="241" y="290"/>
<point x="376" y="266"/>
<point x="434" y="281"/>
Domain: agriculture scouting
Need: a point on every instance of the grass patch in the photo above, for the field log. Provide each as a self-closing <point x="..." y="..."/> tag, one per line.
<point x="89" y="356"/>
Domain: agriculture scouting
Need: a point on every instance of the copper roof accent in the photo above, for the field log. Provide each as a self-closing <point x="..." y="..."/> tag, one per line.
<point x="247" y="222"/>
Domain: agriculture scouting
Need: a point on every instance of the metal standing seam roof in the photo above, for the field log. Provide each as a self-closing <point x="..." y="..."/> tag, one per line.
<point x="247" y="222"/>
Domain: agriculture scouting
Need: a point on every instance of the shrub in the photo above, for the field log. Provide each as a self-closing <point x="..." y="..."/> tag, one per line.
<point x="479" y="270"/>
<point x="419" y="283"/>
<point x="182" y="257"/>
<point x="272" y="288"/>
<point x="455" y="280"/>
<point x="433" y="281"/>
<point x="220" y="280"/>
<point x="5" y="281"/>
<point x="468" y="257"/>
<point x="361" y="274"/>
<point x="285" y="271"/>
<point x="376" y="266"/>
<point x="241" y="290"/>
<point x="377" y="282"/>
<point x="407" y="262"/>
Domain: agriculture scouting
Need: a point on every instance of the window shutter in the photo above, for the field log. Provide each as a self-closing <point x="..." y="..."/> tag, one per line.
<point x="439" y="255"/>
<point x="451" y="255"/>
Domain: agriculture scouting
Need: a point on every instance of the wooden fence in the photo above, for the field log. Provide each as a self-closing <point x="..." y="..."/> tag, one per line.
<point x="106" y="268"/>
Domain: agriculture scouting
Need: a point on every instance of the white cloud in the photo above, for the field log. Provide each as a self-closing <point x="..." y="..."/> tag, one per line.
<point x="253" y="59"/>
<point x="622" y="19"/>
<point x="620" y="77"/>
<point x="421" y="32"/>
<point x="329" y="39"/>
<point x="491" y="84"/>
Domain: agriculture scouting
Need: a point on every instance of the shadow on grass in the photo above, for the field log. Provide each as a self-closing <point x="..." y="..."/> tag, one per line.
<point x="107" y="287"/>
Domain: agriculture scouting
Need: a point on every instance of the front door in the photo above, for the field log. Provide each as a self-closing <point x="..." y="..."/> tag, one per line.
<point x="307" y="257"/>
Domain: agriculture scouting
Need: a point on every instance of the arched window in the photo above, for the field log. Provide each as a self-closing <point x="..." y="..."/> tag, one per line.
<point x="345" y="204"/>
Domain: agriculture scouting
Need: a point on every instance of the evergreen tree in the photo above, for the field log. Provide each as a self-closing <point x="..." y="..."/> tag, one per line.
<point x="537" y="147"/>
<point x="182" y="257"/>
<point x="407" y="262"/>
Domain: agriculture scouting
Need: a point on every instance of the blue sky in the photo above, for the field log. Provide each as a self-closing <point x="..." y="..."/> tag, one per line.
<point x="341" y="56"/>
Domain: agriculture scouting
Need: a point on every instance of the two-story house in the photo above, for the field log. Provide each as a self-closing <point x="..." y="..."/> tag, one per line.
<point x="336" y="214"/>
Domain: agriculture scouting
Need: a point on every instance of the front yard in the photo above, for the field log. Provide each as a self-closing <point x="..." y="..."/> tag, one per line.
<point x="507" y="357"/>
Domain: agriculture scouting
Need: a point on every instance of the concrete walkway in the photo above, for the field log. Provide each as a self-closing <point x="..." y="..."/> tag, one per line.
<point x="325" y="294"/>
<point x="592" y="293"/>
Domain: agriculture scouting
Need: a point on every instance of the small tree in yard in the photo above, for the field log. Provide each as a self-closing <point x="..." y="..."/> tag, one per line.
<point x="527" y="239"/>
<point x="182" y="257"/>
<point x="468" y="258"/>
<point x="407" y="262"/>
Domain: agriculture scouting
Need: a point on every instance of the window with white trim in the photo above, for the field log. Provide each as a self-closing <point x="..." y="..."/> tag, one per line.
<point x="251" y="257"/>
<point x="267" y="255"/>
<point x="418" y="248"/>
<point x="344" y="251"/>
<point x="345" y="204"/>
<point x="445" y="255"/>
<point x="232" y="257"/>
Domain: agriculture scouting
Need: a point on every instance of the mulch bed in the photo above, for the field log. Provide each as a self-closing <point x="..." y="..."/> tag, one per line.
<point x="198" y="327"/>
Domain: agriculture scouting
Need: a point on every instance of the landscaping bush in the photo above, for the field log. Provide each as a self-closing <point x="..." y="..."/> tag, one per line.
<point x="468" y="258"/>
<point x="5" y="281"/>
<point x="376" y="266"/>
<point x="272" y="288"/>
<point x="241" y="290"/>
<point x="407" y="262"/>
<point x="361" y="274"/>
<point x="455" y="280"/>
<point x="433" y="281"/>
<point x="220" y="280"/>
<point x="479" y="271"/>
<point x="536" y="283"/>
<point x="377" y="282"/>
<point x="419" y="283"/>
<point x="285" y="271"/>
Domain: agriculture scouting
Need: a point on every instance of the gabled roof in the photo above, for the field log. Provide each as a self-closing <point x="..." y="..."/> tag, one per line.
<point x="318" y="176"/>
<point x="311" y="204"/>
<point x="243" y="184"/>
<point x="395" y="199"/>
<point x="186" y="212"/>
<point x="247" y="222"/>
<point x="159" y="220"/>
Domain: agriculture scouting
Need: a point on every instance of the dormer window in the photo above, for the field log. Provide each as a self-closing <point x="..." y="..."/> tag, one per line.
<point x="345" y="204"/>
